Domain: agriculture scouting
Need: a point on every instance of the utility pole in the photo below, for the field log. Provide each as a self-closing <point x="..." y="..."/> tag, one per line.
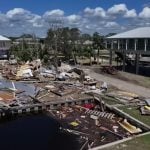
<point x="35" y="45"/>
<point x="56" y="24"/>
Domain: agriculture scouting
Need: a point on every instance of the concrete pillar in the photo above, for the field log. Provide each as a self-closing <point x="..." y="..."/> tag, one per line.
<point x="137" y="63"/>
<point x="118" y="44"/>
<point x="145" y="43"/>
<point x="112" y="44"/>
<point x="110" y="57"/>
<point x="124" y="59"/>
<point x="126" y="44"/>
<point x="106" y="44"/>
<point x="135" y="44"/>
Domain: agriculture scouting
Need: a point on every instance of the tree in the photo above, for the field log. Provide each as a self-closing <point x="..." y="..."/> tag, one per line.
<point x="110" y="34"/>
<point x="98" y="43"/>
<point x="75" y="36"/>
<point x="86" y="37"/>
<point x="67" y="41"/>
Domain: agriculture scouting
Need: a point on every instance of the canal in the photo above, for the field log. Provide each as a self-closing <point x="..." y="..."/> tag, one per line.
<point x="35" y="132"/>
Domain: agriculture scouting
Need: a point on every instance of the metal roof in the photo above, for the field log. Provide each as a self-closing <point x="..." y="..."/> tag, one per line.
<point x="2" y="38"/>
<point x="143" y="32"/>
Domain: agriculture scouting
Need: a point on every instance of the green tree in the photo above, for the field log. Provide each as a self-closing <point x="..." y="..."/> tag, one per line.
<point x="98" y="43"/>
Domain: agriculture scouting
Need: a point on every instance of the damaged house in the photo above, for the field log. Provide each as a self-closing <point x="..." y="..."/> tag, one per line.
<point x="5" y="45"/>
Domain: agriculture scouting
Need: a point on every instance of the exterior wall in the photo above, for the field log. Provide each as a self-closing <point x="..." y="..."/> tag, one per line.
<point x="4" y="49"/>
<point x="132" y="44"/>
<point x="148" y="45"/>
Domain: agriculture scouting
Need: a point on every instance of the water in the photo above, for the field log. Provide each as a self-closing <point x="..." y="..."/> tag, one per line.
<point x="38" y="132"/>
<point x="29" y="89"/>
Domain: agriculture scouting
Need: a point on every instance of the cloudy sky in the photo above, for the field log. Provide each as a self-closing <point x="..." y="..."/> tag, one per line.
<point x="103" y="16"/>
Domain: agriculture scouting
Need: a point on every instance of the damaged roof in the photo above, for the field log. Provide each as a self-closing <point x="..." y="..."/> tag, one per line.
<point x="143" y="32"/>
<point x="2" y="38"/>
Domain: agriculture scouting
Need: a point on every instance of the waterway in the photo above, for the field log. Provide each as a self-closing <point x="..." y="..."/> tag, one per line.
<point x="36" y="132"/>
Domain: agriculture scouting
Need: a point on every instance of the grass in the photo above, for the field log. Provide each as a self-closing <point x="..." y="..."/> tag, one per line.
<point x="110" y="100"/>
<point x="135" y="112"/>
<point x="140" y="143"/>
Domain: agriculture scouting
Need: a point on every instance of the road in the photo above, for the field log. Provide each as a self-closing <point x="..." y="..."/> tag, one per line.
<point x="120" y="84"/>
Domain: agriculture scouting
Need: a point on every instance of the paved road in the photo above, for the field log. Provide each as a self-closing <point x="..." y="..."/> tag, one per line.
<point x="120" y="84"/>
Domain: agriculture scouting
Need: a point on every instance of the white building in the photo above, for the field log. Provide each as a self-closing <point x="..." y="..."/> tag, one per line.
<point x="134" y="40"/>
<point x="5" y="45"/>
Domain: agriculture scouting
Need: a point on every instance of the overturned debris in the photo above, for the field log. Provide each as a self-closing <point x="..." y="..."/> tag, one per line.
<point x="130" y="128"/>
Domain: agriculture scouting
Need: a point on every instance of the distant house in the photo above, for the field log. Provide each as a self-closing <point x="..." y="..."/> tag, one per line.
<point x="28" y="40"/>
<point x="5" y="45"/>
<point x="134" y="40"/>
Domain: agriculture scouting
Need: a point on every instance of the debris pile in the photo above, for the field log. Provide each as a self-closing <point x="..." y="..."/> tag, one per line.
<point x="109" y="70"/>
<point x="145" y="109"/>
<point x="16" y="94"/>
<point x="124" y="97"/>
<point x="95" y="126"/>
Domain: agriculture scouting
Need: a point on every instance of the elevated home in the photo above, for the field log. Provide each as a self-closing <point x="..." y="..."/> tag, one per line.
<point x="5" y="45"/>
<point x="136" y="41"/>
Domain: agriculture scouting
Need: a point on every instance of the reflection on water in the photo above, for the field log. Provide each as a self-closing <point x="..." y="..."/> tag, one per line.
<point x="35" y="133"/>
<point x="29" y="89"/>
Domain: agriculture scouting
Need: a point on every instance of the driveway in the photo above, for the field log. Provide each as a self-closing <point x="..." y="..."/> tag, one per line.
<point x="122" y="85"/>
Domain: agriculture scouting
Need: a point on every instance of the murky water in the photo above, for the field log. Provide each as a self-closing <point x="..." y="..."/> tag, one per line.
<point x="29" y="89"/>
<point x="38" y="132"/>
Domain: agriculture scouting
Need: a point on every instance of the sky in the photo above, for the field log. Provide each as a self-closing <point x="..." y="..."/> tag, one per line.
<point x="104" y="16"/>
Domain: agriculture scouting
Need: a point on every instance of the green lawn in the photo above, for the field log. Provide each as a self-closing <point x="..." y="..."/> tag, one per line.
<point x="135" y="112"/>
<point x="110" y="100"/>
<point x="140" y="143"/>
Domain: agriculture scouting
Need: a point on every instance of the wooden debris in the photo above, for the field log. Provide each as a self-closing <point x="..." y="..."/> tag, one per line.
<point x="130" y="128"/>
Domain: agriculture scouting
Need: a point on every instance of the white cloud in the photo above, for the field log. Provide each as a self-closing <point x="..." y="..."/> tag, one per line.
<point x="145" y="13"/>
<point x="117" y="9"/>
<point x="3" y="18"/>
<point x="111" y="24"/>
<point x="73" y="19"/>
<point x="97" y="12"/>
<point x="130" y="14"/>
<point x="88" y="11"/>
<point x="16" y="12"/>
<point x="116" y="19"/>
<point x="54" y="13"/>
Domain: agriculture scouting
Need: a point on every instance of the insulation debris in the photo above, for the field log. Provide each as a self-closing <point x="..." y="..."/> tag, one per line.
<point x="129" y="127"/>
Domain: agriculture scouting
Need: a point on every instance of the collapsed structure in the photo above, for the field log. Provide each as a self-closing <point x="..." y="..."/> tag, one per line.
<point x="71" y="97"/>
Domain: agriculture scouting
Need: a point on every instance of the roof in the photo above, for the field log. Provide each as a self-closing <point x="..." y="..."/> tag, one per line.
<point x="143" y="32"/>
<point x="2" y="38"/>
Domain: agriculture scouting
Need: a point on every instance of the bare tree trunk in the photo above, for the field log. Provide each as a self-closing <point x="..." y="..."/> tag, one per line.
<point x="73" y="56"/>
<point x="90" y="59"/>
<point x="98" y="57"/>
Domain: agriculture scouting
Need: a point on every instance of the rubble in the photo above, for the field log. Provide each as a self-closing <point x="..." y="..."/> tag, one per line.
<point x="124" y="97"/>
<point x="92" y="121"/>
<point x="109" y="70"/>
<point x="147" y="101"/>
<point x="145" y="110"/>
<point x="130" y="128"/>
<point x="98" y="130"/>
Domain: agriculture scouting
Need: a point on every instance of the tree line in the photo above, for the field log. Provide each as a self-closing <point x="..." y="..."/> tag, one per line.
<point x="66" y="42"/>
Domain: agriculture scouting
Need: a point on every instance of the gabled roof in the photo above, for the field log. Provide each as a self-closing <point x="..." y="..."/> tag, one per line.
<point x="143" y="32"/>
<point x="2" y="38"/>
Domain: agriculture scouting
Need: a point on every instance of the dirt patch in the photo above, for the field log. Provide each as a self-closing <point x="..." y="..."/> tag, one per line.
<point x="132" y="78"/>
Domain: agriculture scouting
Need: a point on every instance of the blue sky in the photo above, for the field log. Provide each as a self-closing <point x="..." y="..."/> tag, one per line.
<point x="70" y="6"/>
<point x="104" y="16"/>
